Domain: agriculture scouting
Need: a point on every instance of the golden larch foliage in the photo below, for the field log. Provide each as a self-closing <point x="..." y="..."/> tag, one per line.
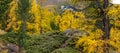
<point x="12" y="16"/>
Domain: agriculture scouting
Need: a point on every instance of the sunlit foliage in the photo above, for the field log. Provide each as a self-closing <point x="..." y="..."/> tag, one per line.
<point x="40" y="19"/>
<point x="91" y="43"/>
<point x="114" y="15"/>
<point x="114" y="39"/>
<point x="35" y="16"/>
<point x="47" y="18"/>
<point x="71" y="20"/>
<point x="12" y="16"/>
<point x="94" y="42"/>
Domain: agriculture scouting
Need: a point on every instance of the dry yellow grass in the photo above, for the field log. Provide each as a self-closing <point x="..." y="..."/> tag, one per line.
<point x="3" y="49"/>
<point x="2" y="32"/>
<point x="49" y="6"/>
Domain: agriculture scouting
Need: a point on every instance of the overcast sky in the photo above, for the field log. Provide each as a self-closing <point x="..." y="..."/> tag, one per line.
<point x="116" y="1"/>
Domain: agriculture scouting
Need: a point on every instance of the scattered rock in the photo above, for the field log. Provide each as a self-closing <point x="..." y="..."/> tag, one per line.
<point x="12" y="48"/>
<point x="71" y="32"/>
<point x="9" y="48"/>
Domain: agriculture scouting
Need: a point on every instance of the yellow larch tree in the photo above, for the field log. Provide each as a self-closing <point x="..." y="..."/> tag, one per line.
<point x="12" y="17"/>
<point x="98" y="40"/>
<point x="46" y="16"/>
<point x="41" y="19"/>
<point x="35" y="15"/>
<point x="66" y="19"/>
<point x="72" y="20"/>
<point x="114" y="14"/>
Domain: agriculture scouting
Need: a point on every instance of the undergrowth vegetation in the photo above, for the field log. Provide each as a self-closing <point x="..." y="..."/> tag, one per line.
<point x="44" y="43"/>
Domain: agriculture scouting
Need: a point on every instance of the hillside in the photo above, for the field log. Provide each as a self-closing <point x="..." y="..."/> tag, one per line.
<point x="41" y="26"/>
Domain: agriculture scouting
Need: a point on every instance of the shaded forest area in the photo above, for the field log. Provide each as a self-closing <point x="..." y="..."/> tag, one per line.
<point x="59" y="26"/>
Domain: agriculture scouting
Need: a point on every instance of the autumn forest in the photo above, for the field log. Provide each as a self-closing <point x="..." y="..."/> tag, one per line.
<point x="59" y="26"/>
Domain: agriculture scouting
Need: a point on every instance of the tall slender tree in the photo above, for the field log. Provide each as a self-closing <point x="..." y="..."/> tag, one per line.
<point x="12" y="16"/>
<point x="101" y="8"/>
<point x="106" y="21"/>
<point x="23" y="8"/>
<point x="4" y="10"/>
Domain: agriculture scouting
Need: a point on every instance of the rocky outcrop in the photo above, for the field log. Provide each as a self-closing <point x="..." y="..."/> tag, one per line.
<point x="9" y="48"/>
<point x="12" y="48"/>
<point x="72" y="32"/>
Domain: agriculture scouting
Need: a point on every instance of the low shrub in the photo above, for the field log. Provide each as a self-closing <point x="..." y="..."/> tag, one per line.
<point x="66" y="50"/>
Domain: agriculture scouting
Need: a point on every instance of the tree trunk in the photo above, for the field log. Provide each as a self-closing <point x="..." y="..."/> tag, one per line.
<point x="106" y="23"/>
